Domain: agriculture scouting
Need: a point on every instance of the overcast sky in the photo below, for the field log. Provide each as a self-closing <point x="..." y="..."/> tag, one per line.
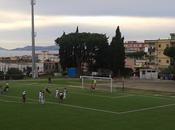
<point x="138" y="19"/>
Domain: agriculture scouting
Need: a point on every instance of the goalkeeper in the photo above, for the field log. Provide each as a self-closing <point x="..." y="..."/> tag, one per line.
<point x="93" y="85"/>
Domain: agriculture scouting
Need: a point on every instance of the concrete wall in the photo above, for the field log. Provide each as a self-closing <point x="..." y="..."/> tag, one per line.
<point x="148" y="74"/>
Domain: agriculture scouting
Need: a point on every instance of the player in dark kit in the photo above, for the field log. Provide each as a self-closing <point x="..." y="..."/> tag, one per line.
<point x="1" y="89"/>
<point x="61" y="97"/>
<point x="49" y="80"/>
<point x="47" y="90"/>
<point x="6" y="89"/>
<point x="24" y="96"/>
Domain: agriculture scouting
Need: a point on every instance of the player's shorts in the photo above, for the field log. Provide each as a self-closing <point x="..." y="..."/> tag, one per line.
<point x="93" y="87"/>
<point x="61" y="97"/>
<point x="24" y="98"/>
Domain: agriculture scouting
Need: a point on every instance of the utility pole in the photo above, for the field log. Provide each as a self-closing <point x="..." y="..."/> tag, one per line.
<point x="34" y="71"/>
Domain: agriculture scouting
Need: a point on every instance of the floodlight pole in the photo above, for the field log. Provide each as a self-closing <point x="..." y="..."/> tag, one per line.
<point x="34" y="75"/>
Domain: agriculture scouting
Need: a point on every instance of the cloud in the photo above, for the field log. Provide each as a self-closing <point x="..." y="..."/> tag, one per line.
<point x="17" y="21"/>
<point x="149" y="8"/>
<point x="15" y="27"/>
<point x="145" y="8"/>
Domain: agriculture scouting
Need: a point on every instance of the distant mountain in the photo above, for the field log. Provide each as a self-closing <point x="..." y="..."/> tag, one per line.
<point x="2" y="49"/>
<point x="37" y="48"/>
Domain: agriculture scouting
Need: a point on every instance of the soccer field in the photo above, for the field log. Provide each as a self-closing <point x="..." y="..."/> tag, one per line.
<point x="84" y="110"/>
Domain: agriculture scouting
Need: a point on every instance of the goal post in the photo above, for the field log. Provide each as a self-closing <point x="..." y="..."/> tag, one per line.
<point x="103" y="83"/>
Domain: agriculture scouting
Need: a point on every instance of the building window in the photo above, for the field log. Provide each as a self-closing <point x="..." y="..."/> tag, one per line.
<point x="159" y="45"/>
<point x="167" y="45"/>
<point x="143" y="72"/>
<point x="159" y="61"/>
<point x="167" y="61"/>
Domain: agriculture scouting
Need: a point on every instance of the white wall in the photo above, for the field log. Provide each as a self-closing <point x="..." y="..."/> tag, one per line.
<point x="5" y="66"/>
<point x="148" y="74"/>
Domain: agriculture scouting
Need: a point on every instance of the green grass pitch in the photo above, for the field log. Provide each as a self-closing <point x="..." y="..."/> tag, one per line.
<point x="83" y="110"/>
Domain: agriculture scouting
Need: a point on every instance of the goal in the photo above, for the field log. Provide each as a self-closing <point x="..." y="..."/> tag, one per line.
<point x="102" y="83"/>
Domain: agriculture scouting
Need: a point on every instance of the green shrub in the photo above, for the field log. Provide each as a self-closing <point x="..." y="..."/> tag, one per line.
<point x="14" y="73"/>
<point x="1" y="75"/>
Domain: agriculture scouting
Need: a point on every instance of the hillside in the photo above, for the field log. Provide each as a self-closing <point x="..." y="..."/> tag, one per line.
<point x="2" y="49"/>
<point x="38" y="48"/>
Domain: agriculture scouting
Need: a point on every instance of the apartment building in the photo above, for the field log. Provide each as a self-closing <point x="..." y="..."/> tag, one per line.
<point x="134" y="46"/>
<point x="46" y="62"/>
<point x="162" y="60"/>
<point x="156" y="48"/>
<point x="151" y="53"/>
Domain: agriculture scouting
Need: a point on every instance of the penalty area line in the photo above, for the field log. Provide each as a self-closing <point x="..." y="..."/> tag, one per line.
<point x="61" y="104"/>
<point x="147" y="108"/>
<point x="92" y="109"/>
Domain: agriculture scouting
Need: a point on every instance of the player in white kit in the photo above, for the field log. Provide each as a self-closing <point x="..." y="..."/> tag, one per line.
<point x="24" y="96"/>
<point x="56" y="93"/>
<point x="41" y="97"/>
<point x="64" y="93"/>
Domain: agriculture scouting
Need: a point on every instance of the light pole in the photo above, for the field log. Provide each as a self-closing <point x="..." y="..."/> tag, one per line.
<point x="34" y="75"/>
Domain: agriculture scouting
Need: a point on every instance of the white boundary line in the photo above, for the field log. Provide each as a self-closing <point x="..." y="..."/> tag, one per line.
<point x="93" y="109"/>
<point x="158" y="97"/>
<point x="66" y="105"/>
<point x="85" y="108"/>
<point x="148" y="108"/>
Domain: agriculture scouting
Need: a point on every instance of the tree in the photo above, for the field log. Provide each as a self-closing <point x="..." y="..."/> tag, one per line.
<point x="77" y="48"/>
<point x="170" y="52"/>
<point x="77" y="30"/>
<point x="117" y="53"/>
<point x="14" y="73"/>
<point x="1" y="75"/>
<point x="28" y="70"/>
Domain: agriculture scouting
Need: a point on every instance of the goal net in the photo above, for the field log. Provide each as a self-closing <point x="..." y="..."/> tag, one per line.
<point x="101" y="83"/>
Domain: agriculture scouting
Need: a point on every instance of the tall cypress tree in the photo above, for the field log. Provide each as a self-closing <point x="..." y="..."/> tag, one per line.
<point x="77" y="30"/>
<point x="117" y="54"/>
